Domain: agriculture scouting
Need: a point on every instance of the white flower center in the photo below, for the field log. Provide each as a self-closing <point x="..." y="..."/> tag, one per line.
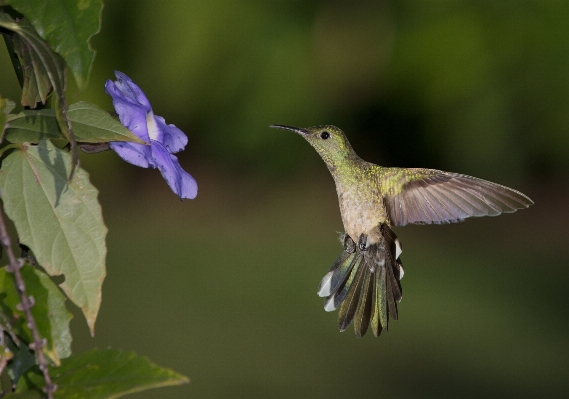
<point x="152" y="126"/>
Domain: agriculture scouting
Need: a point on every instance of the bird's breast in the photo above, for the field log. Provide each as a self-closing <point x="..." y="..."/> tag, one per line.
<point x="362" y="212"/>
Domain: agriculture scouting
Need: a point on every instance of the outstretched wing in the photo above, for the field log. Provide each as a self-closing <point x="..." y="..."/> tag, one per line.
<point x="426" y="196"/>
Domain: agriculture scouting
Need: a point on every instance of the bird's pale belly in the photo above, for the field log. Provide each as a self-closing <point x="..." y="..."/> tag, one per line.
<point x="362" y="215"/>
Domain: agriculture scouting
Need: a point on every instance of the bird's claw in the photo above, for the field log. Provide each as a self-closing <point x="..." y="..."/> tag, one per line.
<point x="349" y="244"/>
<point x="362" y="242"/>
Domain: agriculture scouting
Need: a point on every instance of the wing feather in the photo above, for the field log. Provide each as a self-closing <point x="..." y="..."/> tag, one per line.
<point x="441" y="212"/>
<point x="425" y="196"/>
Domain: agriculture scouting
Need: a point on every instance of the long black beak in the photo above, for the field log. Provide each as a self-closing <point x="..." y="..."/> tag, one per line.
<point x="298" y="130"/>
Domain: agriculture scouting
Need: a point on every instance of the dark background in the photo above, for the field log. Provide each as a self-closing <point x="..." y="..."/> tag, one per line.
<point x="223" y="288"/>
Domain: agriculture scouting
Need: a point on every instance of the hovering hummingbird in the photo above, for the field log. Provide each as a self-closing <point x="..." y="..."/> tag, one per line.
<point x="364" y="281"/>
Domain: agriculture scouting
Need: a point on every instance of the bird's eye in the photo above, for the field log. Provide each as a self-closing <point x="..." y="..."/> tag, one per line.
<point x="324" y="135"/>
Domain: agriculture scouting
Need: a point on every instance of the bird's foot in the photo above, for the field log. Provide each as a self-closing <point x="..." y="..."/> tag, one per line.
<point x="349" y="244"/>
<point x="362" y="242"/>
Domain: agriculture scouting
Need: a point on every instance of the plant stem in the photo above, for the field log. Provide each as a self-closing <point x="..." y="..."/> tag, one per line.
<point x="14" y="266"/>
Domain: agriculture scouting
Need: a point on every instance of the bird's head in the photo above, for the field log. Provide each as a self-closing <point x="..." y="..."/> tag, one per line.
<point x="329" y="141"/>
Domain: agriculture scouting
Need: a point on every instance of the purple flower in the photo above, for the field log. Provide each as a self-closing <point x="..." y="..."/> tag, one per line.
<point x="136" y="114"/>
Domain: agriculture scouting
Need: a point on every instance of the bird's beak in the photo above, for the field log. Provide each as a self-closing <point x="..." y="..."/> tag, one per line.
<point x="298" y="130"/>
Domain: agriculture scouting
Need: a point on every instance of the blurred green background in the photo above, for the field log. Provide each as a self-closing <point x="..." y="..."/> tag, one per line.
<point x="223" y="288"/>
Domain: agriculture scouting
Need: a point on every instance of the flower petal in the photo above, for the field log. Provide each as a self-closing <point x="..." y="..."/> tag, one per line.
<point x="180" y="181"/>
<point x="131" y="114"/>
<point x="173" y="138"/>
<point x="130" y="90"/>
<point x="136" y="114"/>
<point x="134" y="153"/>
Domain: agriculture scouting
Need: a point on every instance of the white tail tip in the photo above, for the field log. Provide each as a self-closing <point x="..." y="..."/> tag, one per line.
<point x="398" y="249"/>
<point x="329" y="305"/>
<point x="325" y="285"/>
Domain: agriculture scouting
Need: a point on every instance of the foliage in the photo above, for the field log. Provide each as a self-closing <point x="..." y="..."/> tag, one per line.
<point x="55" y="211"/>
<point x="99" y="374"/>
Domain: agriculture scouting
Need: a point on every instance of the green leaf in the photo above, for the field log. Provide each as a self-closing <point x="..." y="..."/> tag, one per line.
<point x="5" y="353"/>
<point x="96" y="125"/>
<point x="3" y="115"/>
<point x="49" y="311"/>
<point x="12" y="52"/>
<point x="67" y="26"/>
<point x="5" y="107"/>
<point x="33" y="126"/>
<point x="22" y="361"/>
<point x="51" y="317"/>
<point x="61" y="222"/>
<point x="43" y="69"/>
<point x="101" y="374"/>
<point x="90" y="125"/>
<point x="10" y="105"/>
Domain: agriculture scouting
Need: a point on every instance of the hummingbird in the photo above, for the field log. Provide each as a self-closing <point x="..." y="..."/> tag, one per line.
<point x="365" y="280"/>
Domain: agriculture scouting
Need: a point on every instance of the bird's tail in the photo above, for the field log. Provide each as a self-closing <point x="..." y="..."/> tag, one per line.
<point x="365" y="284"/>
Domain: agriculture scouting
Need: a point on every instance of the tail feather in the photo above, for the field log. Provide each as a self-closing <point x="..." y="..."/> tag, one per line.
<point x="379" y="312"/>
<point x="337" y="274"/>
<point x="350" y="304"/>
<point x="363" y="312"/>
<point x="366" y="285"/>
<point x="391" y="303"/>
<point x="396" y="282"/>
<point x="339" y="294"/>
